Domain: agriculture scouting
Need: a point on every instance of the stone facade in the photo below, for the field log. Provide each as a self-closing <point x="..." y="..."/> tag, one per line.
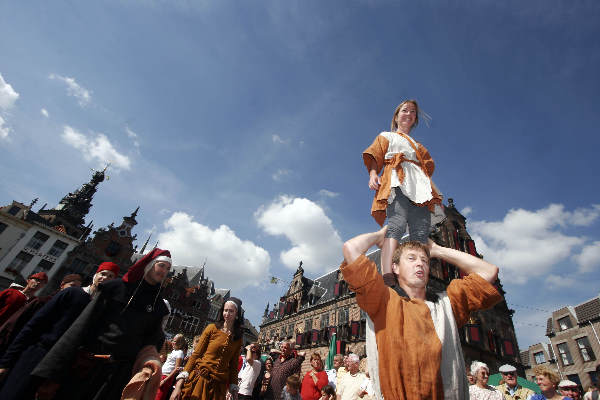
<point x="574" y="343"/>
<point x="312" y="310"/>
<point x="29" y="244"/>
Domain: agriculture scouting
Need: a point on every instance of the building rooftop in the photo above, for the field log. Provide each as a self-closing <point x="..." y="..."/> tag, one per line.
<point x="588" y="311"/>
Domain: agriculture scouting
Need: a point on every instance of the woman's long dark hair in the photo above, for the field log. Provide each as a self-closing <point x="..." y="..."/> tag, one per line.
<point x="239" y="318"/>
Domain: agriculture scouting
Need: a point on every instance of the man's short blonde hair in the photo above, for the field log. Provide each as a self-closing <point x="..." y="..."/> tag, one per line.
<point x="408" y="245"/>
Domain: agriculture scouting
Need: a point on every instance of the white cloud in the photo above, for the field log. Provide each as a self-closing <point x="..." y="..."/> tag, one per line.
<point x="74" y="89"/>
<point x="589" y="258"/>
<point x="4" y="129"/>
<point x="528" y="244"/>
<point x="466" y="211"/>
<point x="278" y="139"/>
<point x="280" y="174"/>
<point x="99" y="149"/>
<point x="313" y="237"/>
<point x="585" y="216"/>
<point x="231" y="261"/>
<point x="133" y="136"/>
<point x="560" y="282"/>
<point x="8" y="96"/>
<point x="328" y="193"/>
<point x="44" y="112"/>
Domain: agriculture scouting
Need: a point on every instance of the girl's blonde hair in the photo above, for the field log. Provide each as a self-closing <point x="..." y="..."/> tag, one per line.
<point x="420" y="113"/>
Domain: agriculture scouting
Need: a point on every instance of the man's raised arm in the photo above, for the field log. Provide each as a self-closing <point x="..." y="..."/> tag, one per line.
<point x="359" y="245"/>
<point x="465" y="262"/>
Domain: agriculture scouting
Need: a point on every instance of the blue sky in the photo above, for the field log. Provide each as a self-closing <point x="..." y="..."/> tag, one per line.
<point x="238" y="128"/>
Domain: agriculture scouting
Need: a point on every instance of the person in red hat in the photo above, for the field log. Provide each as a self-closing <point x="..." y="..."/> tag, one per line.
<point x="13" y="325"/>
<point x="11" y="300"/>
<point x="105" y="272"/>
<point x="95" y="357"/>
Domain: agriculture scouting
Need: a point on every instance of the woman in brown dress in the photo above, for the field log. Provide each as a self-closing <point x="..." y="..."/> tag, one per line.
<point x="211" y="372"/>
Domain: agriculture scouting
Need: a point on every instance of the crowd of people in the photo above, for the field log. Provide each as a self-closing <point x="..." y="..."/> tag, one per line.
<point x="106" y="341"/>
<point x="548" y="381"/>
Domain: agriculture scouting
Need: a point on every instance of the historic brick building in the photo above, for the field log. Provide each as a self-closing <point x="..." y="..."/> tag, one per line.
<point x="574" y="343"/>
<point x="313" y="309"/>
<point x="106" y="244"/>
<point x="189" y="298"/>
<point x="195" y="303"/>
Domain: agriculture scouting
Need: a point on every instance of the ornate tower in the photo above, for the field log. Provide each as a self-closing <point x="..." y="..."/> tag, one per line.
<point x="72" y="209"/>
<point x="489" y="336"/>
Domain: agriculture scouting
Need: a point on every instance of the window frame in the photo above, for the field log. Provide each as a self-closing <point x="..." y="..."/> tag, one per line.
<point x="564" y="353"/>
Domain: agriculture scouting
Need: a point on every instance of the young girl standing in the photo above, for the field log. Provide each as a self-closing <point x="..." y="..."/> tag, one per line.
<point x="404" y="192"/>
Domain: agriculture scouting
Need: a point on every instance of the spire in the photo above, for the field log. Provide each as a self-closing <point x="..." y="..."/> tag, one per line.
<point x="130" y="221"/>
<point x="145" y="244"/>
<point x="300" y="270"/>
<point x="75" y="206"/>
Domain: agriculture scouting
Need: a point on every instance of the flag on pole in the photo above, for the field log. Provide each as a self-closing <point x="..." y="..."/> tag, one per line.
<point x="332" y="353"/>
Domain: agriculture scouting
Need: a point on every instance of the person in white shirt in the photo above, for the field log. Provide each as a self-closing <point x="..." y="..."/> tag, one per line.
<point x="250" y="370"/>
<point x="171" y="367"/>
<point x="338" y="360"/>
<point x="349" y="386"/>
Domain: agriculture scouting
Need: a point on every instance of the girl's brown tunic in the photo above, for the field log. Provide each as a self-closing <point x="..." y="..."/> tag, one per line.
<point x="212" y="366"/>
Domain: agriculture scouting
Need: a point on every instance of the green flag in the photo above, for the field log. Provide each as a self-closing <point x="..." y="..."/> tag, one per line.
<point x="331" y="354"/>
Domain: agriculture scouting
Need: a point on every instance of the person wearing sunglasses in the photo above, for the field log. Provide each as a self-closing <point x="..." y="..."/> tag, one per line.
<point x="510" y="388"/>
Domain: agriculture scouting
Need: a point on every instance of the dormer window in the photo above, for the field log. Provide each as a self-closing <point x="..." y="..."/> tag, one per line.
<point x="564" y="323"/>
<point x="14" y="210"/>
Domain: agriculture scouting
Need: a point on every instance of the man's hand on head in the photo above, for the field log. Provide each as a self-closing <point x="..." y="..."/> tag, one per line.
<point x="434" y="249"/>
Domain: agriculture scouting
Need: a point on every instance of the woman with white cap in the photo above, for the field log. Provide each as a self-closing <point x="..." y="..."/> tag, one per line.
<point x="212" y="370"/>
<point x="481" y="390"/>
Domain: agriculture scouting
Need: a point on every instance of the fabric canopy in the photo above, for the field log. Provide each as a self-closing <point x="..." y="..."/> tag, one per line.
<point x="495" y="380"/>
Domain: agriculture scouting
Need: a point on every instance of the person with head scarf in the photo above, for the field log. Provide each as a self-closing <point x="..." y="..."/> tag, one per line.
<point x="42" y="331"/>
<point x="116" y="336"/>
<point x="211" y="372"/>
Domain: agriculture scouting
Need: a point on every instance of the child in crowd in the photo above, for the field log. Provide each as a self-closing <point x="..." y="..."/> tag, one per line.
<point x="171" y="367"/>
<point x="327" y="393"/>
<point x="291" y="390"/>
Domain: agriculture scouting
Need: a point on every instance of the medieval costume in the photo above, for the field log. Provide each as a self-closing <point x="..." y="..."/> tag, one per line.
<point x="212" y="368"/>
<point x="11" y="328"/>
<point x="11" y="300"/>
<point x="407" y="169"/>
<point x="426" y="331"/>
<point x="95" y="357"/>
<point x="39" y="334"/>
